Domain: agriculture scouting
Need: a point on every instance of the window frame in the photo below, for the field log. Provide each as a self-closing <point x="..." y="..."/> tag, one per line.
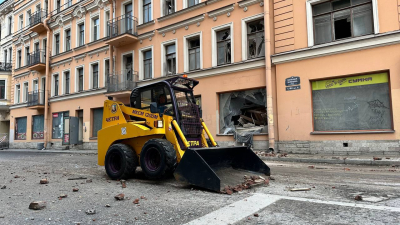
<point x="186" y="40"/>
<point x="67" y="40"/>
<point x="17" y="95"/>
<point x="55" y="92"/>
<point x="25" y="92"/>
<point x="141" y="11"/>
<point x="186" y="4"/>
<point x="79" y="33"/>
<point x="66" y="90"/>
<point x="16" y="128"/>
<point x="5" y="89"/>
<point x="91" y="72"/>
<point x="162" y="11"/>
<point x="164" y="46"/>
<point x="214" y="43"/>
<point x="19" y="58"/>
<point x="77" y="78"/>
<point x="310" y="22"/>
<point x="56" y="43"/>
<point x="95" y="29"/>
<point x="245" y="21"/>
<point x="27" y="54"/>
<point x="34" y="125"/>
<point x="141" y="62"/>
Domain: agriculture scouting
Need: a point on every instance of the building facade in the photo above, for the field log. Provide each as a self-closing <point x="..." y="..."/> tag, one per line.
<point x="307" y="76"/>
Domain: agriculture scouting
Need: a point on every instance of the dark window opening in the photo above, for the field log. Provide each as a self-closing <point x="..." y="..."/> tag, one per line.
<point x="170" y="60"/>
<point x="194" y="53"/>
<point x="147" y="11"/>
<point x="147" y="63"/>
<point x="255" y="39"/>
<point x="223" y="47"/>
<point x="169" y="7"/>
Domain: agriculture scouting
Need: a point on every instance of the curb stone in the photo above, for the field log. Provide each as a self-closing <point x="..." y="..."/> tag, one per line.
<point x="368" y="162"/>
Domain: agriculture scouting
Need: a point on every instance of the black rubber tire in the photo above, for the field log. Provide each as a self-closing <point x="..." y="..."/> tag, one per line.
<point x="121" y="161"/>
<point x="167" y="158"/>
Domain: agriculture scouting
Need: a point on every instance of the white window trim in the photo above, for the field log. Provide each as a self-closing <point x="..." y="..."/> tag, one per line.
<point x="77" y="78"/>
<point x="19" y="21"/>
<point x="23" y="91"/>
<point x="310" y="23"/>
<point x="52" y="84"/>
<point x="186" y="50"/>
<point x="140" y="11"/>
<point x="26" y="16"/>
<point x="185" y="5"/>
<point x="164" y="52"/>
<point x="141" y="66"/>
<point x="5" y="87"/>
<point x="106" y="21"/>
<point x="123" y="7"/>
<point x="15" y="93"/>
<point x="91" y="75"/>
<point x="214" y="42"/>
<point x="162" y="8"/>
<point x="65" y="38"/>
<point x="91" y="33"/>
<point x="23" y="57"/>
<point x="33" y="81"/>
<point x="78" y="23"/>
<point x="104" y="70"/>
<point x="63" y="84"/>
<point x="245" y="21"/>
<point x="54" y="42"/>
<point x="133" y="59"/>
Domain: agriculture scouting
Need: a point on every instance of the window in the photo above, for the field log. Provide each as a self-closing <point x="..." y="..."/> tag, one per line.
<point x="95" y="75"/>
<point x="147" y="64"/>
<point x="27" y="58"/>
<point x="194" y="53"/>
<point x="97" y="121"/>
<point x="26" y="92"/>
<point x="68" y="40"/>
<point x="352" y="103"/>
<point x="223" y="47"/>
<point x="96" y="29"/>
<point x="58" y="124"/>
<point x="2" y="89"/>
<point x="80" y="79"/>
<point x="44" y="48"/>
<point x="17" y="93"/>
<point x="255" y="39"/>
<point x="19" y="58"/>
<point x="37" y="47"/>
<point x="192" y="2"/>
<point x="20" y="128"/>
<point x="10" y="55"/>
<point x="147" y="11"/>
<point x="170" y="59"/>
<point x="9" y="25"/>
<point x="107" y="18"/>
<point x="339" y="19"/>
<point x="66" y="82"/>
<point x="169" y="7"/>
<point x="5" y="56"/>
<point x="241" y="109"/>
<point x="28" y="17"/>
<point x="56" y="85"/>
<point x="69" y="3"/>
<point x="57" y="43"/>
<point x="58" y="5"/>
<point x="21" y="22"/>
<point x="38" y="127"/>
<point x="81" y="37"/>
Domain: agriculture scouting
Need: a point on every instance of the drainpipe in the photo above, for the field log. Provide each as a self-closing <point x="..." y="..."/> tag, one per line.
<point x="47" y="86"/>
<point x="111" y="48"/>
<point x="268" y="74"/>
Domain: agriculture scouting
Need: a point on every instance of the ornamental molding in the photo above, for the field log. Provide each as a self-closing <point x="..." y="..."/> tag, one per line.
<point x="221" y="11"/>
<point x="245" y="3"/>
<point x="184" y="23"/>
<point x="61" y="20"/>
<point x="98" y="51"/>
<point x="78" y="57"/>
<point x="143" y="25"/>
<point x="59" y="63"/>
<point x="180" y="12"/>
<point x="96" y="4"/>
<point x="79" y="11"/>
<point x="147" y="35"/>
<point x="22" y="75"/>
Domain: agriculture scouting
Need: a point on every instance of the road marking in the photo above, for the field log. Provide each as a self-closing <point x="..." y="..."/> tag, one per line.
<point x="236" y="211"/>
<point x="241" y="209"/>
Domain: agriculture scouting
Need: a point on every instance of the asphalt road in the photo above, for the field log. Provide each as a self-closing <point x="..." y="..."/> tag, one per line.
<point x="330" y="200"/>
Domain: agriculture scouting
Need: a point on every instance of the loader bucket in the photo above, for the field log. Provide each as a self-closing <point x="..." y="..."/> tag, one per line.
<point x="216" y="168"/>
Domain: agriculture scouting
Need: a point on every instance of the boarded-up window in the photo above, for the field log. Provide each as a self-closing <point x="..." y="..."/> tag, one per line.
<point x="37" y="127"/>
<point x="20" y="128"/>
<point x="97" y="121"/>
<point x="352" y="103"/>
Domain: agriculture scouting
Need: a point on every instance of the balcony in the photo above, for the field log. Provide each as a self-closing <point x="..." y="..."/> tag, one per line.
<point x="36" y="21"/>
<point x="5" y="67"/>
<point x="36" y="99"/>
<point x="121" y="83"/>
<point x="37" y="60"/>
<point x="122" y="31"/>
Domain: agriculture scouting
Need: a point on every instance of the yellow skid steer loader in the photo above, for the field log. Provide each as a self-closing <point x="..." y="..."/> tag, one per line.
<point x="162" y="132"/>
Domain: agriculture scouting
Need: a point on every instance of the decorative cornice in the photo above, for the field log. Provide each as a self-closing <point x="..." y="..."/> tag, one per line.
<point x="22" y="74"/>
<point x="61" y="62"/>
<point x="181" y="24"/>
<point x="180" y="12"/>
<point x="246" y="3"/>
<point x="209" y="2"/>
<point x="61" y="54"/>
<point x="81" y="56"/>
<point x="61" y="20"/>
<point x="221" y="11"/>
<point x="146" y="35"/>
<point x="98" y="51"/>
<point x="143" y="25"/>
<point x="79" y="11"/>
<point x="16" y="106"/>
<point x="78" y="95"/>
<point x="96" y="4"/>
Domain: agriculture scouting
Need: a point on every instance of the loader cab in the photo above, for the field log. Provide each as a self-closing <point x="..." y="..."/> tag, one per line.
<point x="172" y="97"/>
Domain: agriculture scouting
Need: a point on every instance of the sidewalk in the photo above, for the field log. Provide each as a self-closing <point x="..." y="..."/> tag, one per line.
<point x="353" y="160"/>
<point x="52" y="151"/>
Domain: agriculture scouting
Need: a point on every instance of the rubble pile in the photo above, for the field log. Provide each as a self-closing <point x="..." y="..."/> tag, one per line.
<point x="249" y="181"/>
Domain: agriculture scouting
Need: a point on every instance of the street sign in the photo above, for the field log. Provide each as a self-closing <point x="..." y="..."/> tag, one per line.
<point x="291" y="88"/>
<point x="292" y="81"/>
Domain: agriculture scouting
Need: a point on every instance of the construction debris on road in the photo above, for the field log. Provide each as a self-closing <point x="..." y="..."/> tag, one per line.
<point x="119" y="197"/>
<point x="249" y="181"/>
<point x="38" y="205"/>
<point x="44" y="181"/>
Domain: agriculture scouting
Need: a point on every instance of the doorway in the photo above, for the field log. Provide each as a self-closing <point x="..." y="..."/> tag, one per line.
<point x="79" y="114"/>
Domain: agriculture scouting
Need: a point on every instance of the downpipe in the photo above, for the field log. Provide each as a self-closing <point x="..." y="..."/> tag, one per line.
<point x="47" y="86"/>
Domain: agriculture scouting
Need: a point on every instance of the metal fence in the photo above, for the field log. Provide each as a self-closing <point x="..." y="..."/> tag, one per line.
<point x="37" y="57"/>
<point x="35" y="98"/>
<point x="125" y="24"/>
<point x="5" y="66"/>
<point x="37" y="17"/>
<point x="4" y="141"/>
<point x="122" y="81"/>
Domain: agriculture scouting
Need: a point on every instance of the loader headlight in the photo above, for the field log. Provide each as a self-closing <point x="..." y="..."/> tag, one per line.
<point x="158" y="124"/>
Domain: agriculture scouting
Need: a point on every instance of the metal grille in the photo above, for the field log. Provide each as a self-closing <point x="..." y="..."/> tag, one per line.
<point x="189" y="114"/>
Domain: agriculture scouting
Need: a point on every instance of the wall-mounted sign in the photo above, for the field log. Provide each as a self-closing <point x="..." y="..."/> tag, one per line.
<point x="291" y="88"/>
<point x="292" y="81"/>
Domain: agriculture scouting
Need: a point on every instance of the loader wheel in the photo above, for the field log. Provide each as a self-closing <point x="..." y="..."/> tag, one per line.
<point x="121" y="161"/>
<point x="157" y="158"/>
